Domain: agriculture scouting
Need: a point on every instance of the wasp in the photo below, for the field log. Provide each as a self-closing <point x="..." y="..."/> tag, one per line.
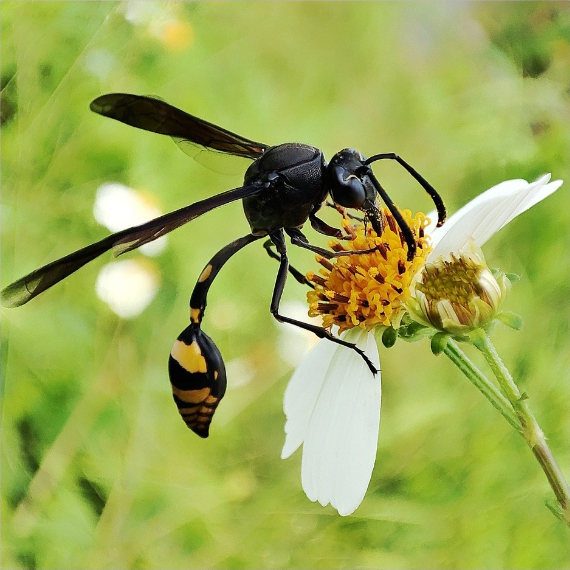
<point x="284" y="186"/>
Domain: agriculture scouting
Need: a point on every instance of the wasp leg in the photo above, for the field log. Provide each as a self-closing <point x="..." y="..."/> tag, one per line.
<point x="294" y="272"/>
<point x="196" y="368"/>
<point x="342" y="211"/>
<point x="323" y="228"/>
<point x="279" y="241"/>
<point x="298" y="238"/>
<point x="347" y="216"/>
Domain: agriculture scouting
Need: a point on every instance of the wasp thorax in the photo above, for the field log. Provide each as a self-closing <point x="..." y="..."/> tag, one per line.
<point x="198" y="378"/>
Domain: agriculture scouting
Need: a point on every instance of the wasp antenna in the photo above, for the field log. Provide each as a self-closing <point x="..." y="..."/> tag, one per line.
<point x="433" y="193"/>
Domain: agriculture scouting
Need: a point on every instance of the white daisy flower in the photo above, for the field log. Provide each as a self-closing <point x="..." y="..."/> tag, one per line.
<point x="332" y="402"/>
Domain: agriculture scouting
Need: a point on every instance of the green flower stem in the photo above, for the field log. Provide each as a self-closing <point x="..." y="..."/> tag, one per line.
<point x="528" y="426"/>
<point x="459" y="358"/>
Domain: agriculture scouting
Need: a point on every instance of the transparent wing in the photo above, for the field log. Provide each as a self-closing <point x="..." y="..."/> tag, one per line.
<point x="213" y="160"/>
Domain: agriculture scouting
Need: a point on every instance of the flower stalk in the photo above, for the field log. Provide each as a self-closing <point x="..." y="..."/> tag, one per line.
<point x="480" y="381"/>
<point x="514" y="408"/>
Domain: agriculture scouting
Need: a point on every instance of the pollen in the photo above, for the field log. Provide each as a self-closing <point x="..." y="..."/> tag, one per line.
<point x="368" y="289"/>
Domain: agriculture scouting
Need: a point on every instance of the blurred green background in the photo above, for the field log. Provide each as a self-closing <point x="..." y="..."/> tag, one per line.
<point x="98" y="470"/>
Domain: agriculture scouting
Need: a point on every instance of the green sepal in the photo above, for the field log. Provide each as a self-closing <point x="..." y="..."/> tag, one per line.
<point x="512" y="277"/>
<point x="512" y="320"/>
<point x="413" y="331"/>
<point x="477" y="338"/>
<point x="389" y="337"/>
<point x="439" y="342"/>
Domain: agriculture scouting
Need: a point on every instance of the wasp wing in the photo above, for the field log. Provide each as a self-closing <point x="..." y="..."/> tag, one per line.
<point x="159" y="117"/>
<point x="28" y="287"/>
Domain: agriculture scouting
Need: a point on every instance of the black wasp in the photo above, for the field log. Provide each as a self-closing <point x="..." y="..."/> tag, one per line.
<point x="284" y="187"/>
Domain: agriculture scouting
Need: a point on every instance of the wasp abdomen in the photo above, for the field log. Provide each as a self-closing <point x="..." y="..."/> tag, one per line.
<point x="198" y="378"/>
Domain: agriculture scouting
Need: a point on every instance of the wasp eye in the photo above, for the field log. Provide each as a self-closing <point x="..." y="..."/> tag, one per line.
<point x="348" y="192"/>
<point x="198" y="377"/>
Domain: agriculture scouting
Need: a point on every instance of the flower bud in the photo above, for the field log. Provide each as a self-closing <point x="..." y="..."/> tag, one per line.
<point x="457" y="293"/>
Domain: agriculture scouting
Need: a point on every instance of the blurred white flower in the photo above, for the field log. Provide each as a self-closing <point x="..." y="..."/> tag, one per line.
<point x="224" y="314"/>
<point x="119" y="207"/>
<point x="99" y="62"/>
<point x="332" y="402"/>
<point x="240" y="371"/>
<point x="293" y="343"/>
<point x="127" y="286"/>
<point x="161" y="20"/>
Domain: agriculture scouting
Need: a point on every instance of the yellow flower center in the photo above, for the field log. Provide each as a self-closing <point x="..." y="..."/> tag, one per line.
<point x="368" y="289"/>
<point x="458" y="281"/>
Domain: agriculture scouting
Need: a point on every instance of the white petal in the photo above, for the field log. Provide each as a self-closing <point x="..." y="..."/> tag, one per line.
<point x="540" y="195"/>
<point x="302" y="392"/>
<point x="481" y="218"/>
<point x="499" y="191"/>
<point x="342" y="436"/>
